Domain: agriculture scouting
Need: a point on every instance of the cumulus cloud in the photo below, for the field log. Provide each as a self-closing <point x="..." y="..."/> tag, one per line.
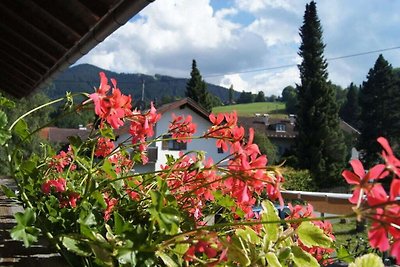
<point x="168" y="34"/>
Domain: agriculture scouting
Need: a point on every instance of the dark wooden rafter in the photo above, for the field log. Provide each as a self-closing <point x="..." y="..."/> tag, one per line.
<point x="39" y="38"/>
<point x="25" y="70"/>
<point x="15" y="38"/>
<point x="26" y="56"/>
<point x="30" y="31"/>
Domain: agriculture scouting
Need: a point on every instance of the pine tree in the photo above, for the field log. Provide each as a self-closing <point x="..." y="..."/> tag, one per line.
<point x="320" y="144"/>
<point x="380" y="107"/>
<point x="350" y="112"/>
<point x="231" y="95"/>
<point x="196" y="88"/>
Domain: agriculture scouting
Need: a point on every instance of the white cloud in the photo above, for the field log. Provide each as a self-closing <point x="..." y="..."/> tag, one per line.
<point x="168" y="34"/>
<point x="236" y="81"/>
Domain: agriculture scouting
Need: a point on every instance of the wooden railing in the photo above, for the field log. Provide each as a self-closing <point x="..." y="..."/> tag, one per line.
<point x="332" y="203"/>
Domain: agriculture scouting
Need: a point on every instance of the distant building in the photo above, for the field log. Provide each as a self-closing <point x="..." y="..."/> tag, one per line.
<point x="282" y="132"/>
<point x="157" y="152"/>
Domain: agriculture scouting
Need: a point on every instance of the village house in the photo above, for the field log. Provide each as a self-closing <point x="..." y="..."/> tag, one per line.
<point x="157" y="153"/>
<point x="282" y="131"/>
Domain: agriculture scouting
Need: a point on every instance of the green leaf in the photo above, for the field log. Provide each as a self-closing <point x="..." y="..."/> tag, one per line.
<point x="7" y="191"/>
<point x="102" y="255"/>
<point x="344" y="255"/>
<point x="28" y="166"/>
<point x="107" y="132"/>
<point x="273" y="260"/>
<point x="126" y="256"/>
<point x="167" y="259"/>
<point x="302" y="258"/>
<point x="249" y="235"/>
<point x="76" y="246"/>
<point x="99" y="199"/>
<point x="270" y="214"/>
<point x="87" y="218"/>
<point x="26" y="218"/>
<point x="5" y="102"/>
<point x="238" y="252"/>
<point x="108" y="168"/>
<point x="5" y="134"/>
<point x="311" y="235"/>
<point x="24" y="230"/>
<point x="367" y="261"/>
<point x="21" y="129"/>
<point x="28" y="235"/>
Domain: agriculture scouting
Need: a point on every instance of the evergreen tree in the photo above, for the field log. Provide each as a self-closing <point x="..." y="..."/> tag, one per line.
<point x="350" y="111"/>
<point x="320" y="144"/>
<point x="196" y="88"/>
<point x="260" y="97"/>
<point x="380" y="110"/>
<point x="231" y="95"/>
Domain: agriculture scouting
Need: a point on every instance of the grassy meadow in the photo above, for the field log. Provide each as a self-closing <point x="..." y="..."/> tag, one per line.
<point x="274" y="109"/>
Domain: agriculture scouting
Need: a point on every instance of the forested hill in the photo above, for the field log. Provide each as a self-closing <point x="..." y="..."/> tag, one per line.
<point x="83" y="78"/>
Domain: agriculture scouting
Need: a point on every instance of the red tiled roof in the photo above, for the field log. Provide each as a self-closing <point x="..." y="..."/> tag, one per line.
<point x="60" y="135"/>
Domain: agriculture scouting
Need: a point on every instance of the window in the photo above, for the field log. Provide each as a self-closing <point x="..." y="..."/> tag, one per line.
<point x="280" y="127"/>
<point x="172" y="144"/>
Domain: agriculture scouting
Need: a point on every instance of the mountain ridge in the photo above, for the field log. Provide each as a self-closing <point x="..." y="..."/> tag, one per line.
<point x="85" y="77"/>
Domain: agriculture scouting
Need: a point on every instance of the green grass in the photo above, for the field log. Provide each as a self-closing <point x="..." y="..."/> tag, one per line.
<point x="275" y="109"/>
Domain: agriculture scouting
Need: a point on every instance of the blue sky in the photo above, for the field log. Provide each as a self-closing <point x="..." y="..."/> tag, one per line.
<point x="231" y="38"/>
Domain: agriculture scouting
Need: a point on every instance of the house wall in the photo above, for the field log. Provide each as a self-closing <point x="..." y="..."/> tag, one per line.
<point x="162" y="128"/>
<point x="207" y="145"/>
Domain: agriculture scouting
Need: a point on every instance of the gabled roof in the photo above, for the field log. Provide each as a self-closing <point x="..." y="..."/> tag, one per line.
<point x="258" y="124"/>
<point x="60" y="135"/>
<point x="39" y="38"/>
<point x="179" y="104"/>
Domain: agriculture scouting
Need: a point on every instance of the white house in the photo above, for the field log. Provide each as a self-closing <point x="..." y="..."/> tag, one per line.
<point x="158" y="151"/>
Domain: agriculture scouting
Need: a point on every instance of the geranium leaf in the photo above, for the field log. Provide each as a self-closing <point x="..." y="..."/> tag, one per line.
<point x="21" y="129"/>
<point x="344" y="255"/>
<point x="272" y="260"/>
<point x="7" y="191"/>
<point x="238" y="252"/>
<point x="76" y="246"/>
<point x="311" y="235"/>
<point x="28" y="235"/>
<point x="302" y="258"/>
<point x="5" y="134"/>
<point x="367" y="261"/>
<point x="126" y="256"/>
<point x="167" y="259"/>
<point x="108" y="168"/>
<point x="249" y="235"/>
<point x="270" y="214"/>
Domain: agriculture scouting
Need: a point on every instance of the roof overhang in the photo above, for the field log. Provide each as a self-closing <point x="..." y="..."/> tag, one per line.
<point x="40" y="38"/>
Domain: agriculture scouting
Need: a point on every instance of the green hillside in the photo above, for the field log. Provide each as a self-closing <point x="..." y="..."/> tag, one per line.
<point x="84" y="77"/>
<point x="275" y="109"/>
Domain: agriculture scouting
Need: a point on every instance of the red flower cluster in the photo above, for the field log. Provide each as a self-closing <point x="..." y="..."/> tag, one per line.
<point x="110" y="202"/>
<point x="321" y="254"/>
<point x="375" y="203"/>
<point x="142" y="125"/>
<point x="104" y="147"/>
<point x="111" y="107"/>
<point x="182" y="128"/>
<point x="58" y="186"/>
<point x="60" y="161"/>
